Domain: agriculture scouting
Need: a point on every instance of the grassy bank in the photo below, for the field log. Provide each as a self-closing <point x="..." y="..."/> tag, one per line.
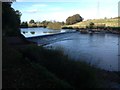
<point x="25" y="65"/>
<point x="36" y="67"/>
<point x="113" y="22"/>
<point x="20" y="72"/>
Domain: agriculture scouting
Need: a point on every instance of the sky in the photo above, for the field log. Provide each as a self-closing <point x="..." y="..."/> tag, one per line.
<point x="59" y="10"/>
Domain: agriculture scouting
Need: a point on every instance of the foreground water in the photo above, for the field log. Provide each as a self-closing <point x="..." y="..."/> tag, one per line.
<point x="99" y="50"/>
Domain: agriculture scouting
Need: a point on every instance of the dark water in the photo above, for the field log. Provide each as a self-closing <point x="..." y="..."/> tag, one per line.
<point x="100" y="50"/>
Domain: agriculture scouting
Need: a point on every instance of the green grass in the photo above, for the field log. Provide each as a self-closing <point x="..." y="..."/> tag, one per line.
<point x="77" y="74"/>
<point x="32" y="66"/>
<point x="20" y="72"/>
<point x="107" y="22"/>
<point x="38" y="67"/>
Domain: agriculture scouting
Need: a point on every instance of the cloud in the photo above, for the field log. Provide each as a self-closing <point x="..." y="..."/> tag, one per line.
<point x="32" y="11"/>
<point x="55" y="9"/>
<point x="35" y="8"/>
<point x="88" y="13"/>
<point x="60" y="13"/>
<point x="39" y="5"/>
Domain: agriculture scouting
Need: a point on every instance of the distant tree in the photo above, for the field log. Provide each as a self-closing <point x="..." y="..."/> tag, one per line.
<point x="91" y="25"/>
<point x="31" y="21"/>
<point x="63" y="23"/>
<point x="105" y="17"/>
<point x="45" y="23"/>
<point x="24" y="25"/>
<point x="73" y="19"/>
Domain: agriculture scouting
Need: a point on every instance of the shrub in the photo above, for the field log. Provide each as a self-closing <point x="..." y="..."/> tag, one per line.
<point x="55" y="25"/>
<point x="73" y="19"/>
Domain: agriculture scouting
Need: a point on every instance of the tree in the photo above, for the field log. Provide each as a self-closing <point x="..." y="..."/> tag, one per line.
<point x="31" y="21"/>
<point x="63" y="23"/>
<point x="73" y="19"/>
<point x="10" y="20"/>
<point x="91" y="25"/>
<point x="45" y="23"/>
<point x="24" y="25"/>
<point x="105" y="17"/>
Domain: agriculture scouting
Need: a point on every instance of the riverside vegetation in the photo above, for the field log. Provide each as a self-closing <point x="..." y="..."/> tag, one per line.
<point x="26" y="65"/>
<point x="76" y="22"/>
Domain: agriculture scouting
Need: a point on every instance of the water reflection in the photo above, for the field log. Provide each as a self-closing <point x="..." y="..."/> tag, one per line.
<point x="32" y="32"/>
<point x="24" y="32"/>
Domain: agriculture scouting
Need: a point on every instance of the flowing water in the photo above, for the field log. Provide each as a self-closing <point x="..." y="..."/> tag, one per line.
<point x="99" y="50"/>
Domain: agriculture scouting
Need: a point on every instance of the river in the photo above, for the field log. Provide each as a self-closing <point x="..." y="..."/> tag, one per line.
<point x="99" y="50"/>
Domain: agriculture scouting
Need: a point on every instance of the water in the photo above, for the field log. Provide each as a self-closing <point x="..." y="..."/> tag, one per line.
<point x="28" y="32"/>
<point x="99" y="50"/>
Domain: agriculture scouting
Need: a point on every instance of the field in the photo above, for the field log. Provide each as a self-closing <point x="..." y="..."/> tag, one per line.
<point x="113" y="22"/>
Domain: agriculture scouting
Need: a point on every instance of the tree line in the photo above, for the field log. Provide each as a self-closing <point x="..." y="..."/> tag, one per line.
<point x="44" y="24"/>
<point x="52" y="24"/>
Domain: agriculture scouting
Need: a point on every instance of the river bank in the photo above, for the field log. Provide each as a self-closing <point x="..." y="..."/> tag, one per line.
<point x="52" y="66"/>
<point x="82" y="45"/>
<point x="112" y="30"/>
<point x="25" y="65"/>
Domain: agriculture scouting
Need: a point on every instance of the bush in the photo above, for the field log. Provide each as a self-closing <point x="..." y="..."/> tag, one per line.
<point x="67" y="27"/>
<point x="55" y="25"/>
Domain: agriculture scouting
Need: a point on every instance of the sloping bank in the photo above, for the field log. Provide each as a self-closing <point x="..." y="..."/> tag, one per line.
<point x="37" y="67"/>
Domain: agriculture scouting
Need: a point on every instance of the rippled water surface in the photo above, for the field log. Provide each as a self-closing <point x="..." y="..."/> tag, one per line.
<point x="100" y="50"/>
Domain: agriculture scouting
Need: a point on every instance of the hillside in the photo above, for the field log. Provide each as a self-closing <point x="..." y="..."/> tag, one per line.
<point x="107" y="22"/>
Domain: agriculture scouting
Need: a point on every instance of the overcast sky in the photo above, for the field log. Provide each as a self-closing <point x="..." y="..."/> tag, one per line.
<point x="59" y="10"/>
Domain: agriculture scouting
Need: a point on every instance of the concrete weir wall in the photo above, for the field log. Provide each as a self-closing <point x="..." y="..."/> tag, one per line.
<point x="51" y="34"/>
